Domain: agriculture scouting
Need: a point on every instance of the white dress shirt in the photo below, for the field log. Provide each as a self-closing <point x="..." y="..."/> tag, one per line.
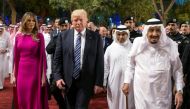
<point x="83" y="39"/>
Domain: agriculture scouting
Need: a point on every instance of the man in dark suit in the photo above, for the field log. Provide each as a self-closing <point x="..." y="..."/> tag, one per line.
<point x="105" y="39"/>
<point x="186" y="70"/>
<point x="79" y="62"/>
<point x="55" y="91"/>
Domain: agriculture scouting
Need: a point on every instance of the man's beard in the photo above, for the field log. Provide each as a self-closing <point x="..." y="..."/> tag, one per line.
<point x="185" y="33"/>
<point x="172" y="32"/>
<point x="129" y="28"/>
<point x="154" y="41"/>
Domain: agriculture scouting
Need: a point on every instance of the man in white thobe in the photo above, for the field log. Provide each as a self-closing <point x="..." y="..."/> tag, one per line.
<point x="115" y="59"/>
<point x="47" y="36"/>
<point x="153" y="61"/>
<point x="4" y="48"/>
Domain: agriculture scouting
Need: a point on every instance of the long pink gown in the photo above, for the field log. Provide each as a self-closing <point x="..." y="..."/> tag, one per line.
<point x="29" y="61"/>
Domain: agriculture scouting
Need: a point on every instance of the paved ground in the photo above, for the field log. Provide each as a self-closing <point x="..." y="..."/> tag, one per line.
<point x="6" y="99"/>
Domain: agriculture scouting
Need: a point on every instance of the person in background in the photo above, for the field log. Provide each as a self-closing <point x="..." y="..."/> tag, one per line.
<point x="64" y="24"/>
<point x="12" y="31"/>
<point x="105" y="39"/>
<point x="50" y="28"/>
<point x="130" y="23"/>
<point x="174" y="34"/>
<point x="114" y="68"/>
<point x="186" y="69"/>
<point x="4" y="50"/>
<point x="1" y="20"/>
<point x="92" y="26"/>
<point x="185" y="29"/>
<point x="42" y="28"/>
<point x="29" y="67"/>
<point x="50" y="48"/>
<point x="47" y="37"/>
<point x="56" y="26"/>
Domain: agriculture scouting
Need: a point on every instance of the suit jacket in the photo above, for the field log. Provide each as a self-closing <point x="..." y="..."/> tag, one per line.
<point x="51" y="50"/>
<point x="186" y="63"/>
<point x="107" y="42"/>
<point x="52" y="44"/>
<point x="92" y="71"/>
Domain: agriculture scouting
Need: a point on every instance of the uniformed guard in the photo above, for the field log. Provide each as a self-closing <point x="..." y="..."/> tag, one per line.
<point x="173" y="33"/>
<point x="130" y="23"/>
<point x="185" y="29"/>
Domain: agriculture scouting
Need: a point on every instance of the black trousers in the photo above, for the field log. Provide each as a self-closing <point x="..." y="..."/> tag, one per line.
<point x="57" y="94"/>
<point x="77" y="97"/>
<point x="186" y="97"/>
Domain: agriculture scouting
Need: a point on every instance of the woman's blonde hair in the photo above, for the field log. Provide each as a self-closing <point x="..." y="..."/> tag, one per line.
<point x="23" y="27"/>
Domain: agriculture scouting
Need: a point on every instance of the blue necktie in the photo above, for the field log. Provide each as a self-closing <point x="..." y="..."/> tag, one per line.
<point x="77" y="56"/>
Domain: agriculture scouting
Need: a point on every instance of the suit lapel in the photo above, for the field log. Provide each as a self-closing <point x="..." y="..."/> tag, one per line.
<point x="87" y="44"/>
<point x="70" y="42"/>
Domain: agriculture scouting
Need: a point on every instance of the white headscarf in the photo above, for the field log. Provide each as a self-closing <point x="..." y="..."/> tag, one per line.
<point x="141" y="43"/>
<point x="121" y="28"/>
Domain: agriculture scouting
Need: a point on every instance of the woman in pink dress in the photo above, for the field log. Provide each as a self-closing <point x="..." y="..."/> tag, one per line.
<point x="29" y="66"/>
